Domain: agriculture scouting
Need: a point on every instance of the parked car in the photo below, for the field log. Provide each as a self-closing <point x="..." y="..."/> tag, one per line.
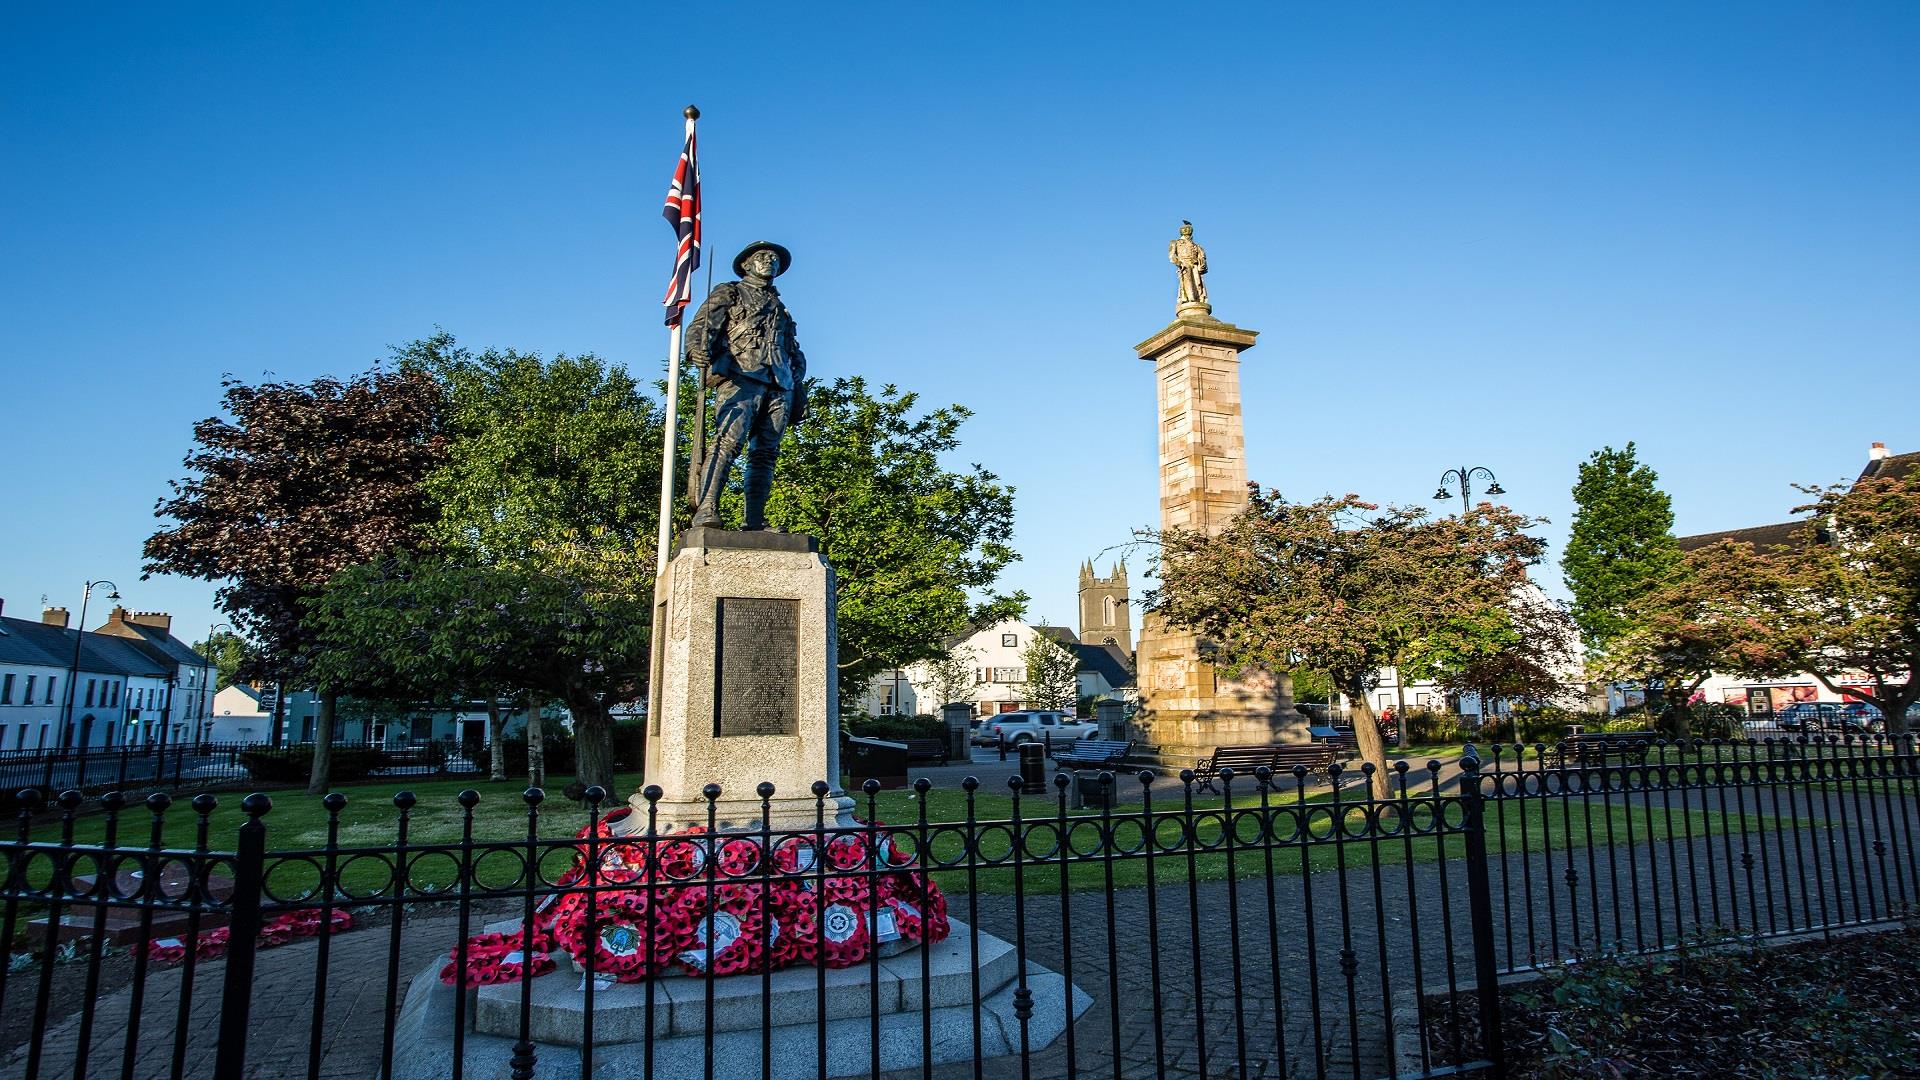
<point x="1808" y="716"/>
<point x="1830" y="718"/>
<point x="1033" y="725"/>
<point x="1864" y="716"/>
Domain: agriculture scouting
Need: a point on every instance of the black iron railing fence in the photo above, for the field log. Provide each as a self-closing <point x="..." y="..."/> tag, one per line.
<point x="206" y="765"/>
<point x="1286" y="927"/>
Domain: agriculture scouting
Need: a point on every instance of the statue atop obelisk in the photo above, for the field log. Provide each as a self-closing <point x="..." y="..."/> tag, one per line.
<point x="1186" y="707"/>
<point x="1191" y="260"/>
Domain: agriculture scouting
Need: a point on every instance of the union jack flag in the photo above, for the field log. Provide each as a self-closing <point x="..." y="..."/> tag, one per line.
<point x="683" y="213"/>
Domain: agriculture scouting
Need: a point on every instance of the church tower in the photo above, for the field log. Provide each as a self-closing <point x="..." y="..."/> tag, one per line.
<point x="1104" y="619"/>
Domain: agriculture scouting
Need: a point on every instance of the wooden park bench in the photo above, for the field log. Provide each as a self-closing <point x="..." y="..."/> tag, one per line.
<point x="1092" y="753"/>
<point x="934" y="750"/>
<point x="1590" y="749"/>
<point x="1244" y="759"/>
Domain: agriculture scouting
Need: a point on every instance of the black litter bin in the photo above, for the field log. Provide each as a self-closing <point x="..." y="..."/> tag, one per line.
<point x="1090" y="793"/>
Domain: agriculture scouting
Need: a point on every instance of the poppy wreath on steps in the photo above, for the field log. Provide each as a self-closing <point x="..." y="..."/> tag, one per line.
<point x="710" y="905"/>
<point x="278" y="930"/>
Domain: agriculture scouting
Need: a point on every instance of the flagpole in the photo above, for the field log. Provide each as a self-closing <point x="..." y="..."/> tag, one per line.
<point x="668" y="455"/>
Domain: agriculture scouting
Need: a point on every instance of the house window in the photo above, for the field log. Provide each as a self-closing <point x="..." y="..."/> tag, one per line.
<point x="116" y="696"/>
<point x="90" y="683"/>
<point x="1009" y="674"/>
<point x="27" y="698"/>
<point x="1010" y="641"/>
<point x="6" y="690"/>
<point x="51" y="679"/>
<point x="979" y="676"/>
<point x="1109" y="612"/>
<point x="1423" y="700"/>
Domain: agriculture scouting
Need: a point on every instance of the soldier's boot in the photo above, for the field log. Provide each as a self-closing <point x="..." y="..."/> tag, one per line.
<point x="759" y="485"/>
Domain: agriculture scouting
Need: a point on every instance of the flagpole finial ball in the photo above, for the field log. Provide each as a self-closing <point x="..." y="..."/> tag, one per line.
<point x="692" y="112"/>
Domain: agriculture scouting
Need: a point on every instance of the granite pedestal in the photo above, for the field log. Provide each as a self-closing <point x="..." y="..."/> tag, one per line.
<point x="745" y="683"/>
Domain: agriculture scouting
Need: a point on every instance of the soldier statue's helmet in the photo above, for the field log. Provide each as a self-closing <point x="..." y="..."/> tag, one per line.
<point x="740" y="260"/>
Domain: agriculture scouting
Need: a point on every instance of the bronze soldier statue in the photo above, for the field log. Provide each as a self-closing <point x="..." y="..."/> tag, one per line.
<point x="742" y="338"/>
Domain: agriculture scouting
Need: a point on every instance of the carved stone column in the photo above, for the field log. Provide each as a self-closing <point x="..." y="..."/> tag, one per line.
<point x="1187" y="708"/>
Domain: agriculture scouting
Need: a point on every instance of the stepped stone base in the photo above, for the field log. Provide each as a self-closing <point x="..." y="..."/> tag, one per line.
<point x="424" y="1040"/>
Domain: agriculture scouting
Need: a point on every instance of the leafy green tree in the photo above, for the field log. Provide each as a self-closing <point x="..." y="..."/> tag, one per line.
<point x="916" y="547"/>
<point x="1052" y="672"/>
<point x="1620" y="545"/>
<point x="297" y="482"/>
<point x="1708" y="611"/>
<point x="1340" y="586"/>
<point x="228" y="651"/>
<point x="548" y="499"/>
<point x="1519" y="651"/>
<point x="1842" y="603"/>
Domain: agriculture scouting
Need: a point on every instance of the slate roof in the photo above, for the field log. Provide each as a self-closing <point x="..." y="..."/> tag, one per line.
<point x="1060" y="634"/>
<point x="18" y="645"/>
<point x="1895" y="466"/>
<point x="99" y="653"/>
<point x="1790" y="534"/>
<point x="165" y="647"/>
<point x="1107" y="661"/>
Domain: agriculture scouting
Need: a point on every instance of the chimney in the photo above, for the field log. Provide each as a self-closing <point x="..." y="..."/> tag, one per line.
<point x="1878" y="452"/>
<point x="55" y="616"/>
<point x="159" y="620"/>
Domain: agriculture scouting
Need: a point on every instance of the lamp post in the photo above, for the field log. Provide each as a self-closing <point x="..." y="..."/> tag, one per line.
<point x="79" y="637"/>
<point x="206" y="714"/>
<point x="1464" y="477"/>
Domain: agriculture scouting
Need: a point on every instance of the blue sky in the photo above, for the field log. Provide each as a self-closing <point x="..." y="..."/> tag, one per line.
<point x="1482" y="235"/>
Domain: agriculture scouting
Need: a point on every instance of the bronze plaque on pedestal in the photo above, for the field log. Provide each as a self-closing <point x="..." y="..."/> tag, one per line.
<point x="756" y="666"/>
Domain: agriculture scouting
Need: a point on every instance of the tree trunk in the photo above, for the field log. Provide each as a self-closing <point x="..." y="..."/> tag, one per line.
<point x="1373" y="749"/>
<point x="536" y="744"/>
<point x="496" y="725"/>
<point x="592" y="743"/>
<point x="322" y="777"/>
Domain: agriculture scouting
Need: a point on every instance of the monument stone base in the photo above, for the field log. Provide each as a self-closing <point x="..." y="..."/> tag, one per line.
<point x="744" y="684"/>
<point x="424" y="1038"/>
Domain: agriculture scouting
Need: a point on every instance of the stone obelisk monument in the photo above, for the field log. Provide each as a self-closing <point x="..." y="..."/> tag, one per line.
<point x="1187" y="707"/>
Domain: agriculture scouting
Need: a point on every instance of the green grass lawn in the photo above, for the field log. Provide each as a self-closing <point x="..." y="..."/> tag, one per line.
<point x="298" y="823"/>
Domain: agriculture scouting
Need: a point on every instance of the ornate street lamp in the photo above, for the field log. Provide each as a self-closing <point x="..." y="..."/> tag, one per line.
<point x="206" y="714"/>
<point x="73" y="676"/>
<point x="1465" y="477"/>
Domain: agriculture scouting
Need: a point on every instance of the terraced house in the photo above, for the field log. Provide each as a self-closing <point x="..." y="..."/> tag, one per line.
<point x="128" y="682"/>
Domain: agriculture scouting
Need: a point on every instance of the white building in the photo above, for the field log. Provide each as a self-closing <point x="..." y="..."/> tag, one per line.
<point x="113" y="692"/>
<point x="238" y="717"/>
<point x="999" y="672"/>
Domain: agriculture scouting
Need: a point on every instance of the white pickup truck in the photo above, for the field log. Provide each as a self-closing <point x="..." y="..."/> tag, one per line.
<point x="1032" y="725"/>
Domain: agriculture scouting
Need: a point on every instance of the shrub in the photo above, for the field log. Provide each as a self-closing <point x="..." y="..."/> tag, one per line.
<point x="294" y="764"/>
<point x="1427" y="726"/>
<point x="630" y="744"/>
<point x="895" y="728"/>
<point x="559" y="755"/>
